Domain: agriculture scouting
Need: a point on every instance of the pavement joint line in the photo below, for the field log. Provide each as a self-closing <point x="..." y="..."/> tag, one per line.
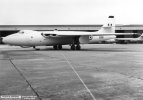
<point x="21" y="74"/>
<point x="53" y="61"/>
<point x="88" y="90"/>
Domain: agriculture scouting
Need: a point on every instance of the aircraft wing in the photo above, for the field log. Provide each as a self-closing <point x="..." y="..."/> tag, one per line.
<point x="127" y="39"/>
<point x="72" y="33"/>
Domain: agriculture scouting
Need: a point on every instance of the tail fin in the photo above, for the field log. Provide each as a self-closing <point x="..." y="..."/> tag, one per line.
<point x="109" y="26"/>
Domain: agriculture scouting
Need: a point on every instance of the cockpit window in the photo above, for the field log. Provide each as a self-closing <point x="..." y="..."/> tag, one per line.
<point x="21" y="32"/>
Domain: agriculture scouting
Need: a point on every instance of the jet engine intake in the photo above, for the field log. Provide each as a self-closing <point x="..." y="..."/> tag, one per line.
<point x="46" y="35"/>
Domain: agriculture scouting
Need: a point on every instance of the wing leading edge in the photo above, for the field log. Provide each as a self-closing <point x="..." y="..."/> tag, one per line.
<point x="69" y="33"/>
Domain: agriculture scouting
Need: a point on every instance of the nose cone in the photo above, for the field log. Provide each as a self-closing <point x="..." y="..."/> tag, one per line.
<point x="6" y="40"/>
<point x="13" y="39"/>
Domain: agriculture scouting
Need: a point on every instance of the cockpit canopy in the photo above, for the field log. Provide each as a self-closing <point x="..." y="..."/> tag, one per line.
<point x="21" y="32"/>
<point x="25" y="31"/>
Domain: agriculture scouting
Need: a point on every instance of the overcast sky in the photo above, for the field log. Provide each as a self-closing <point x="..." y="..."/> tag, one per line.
<point x="49" y="12"/>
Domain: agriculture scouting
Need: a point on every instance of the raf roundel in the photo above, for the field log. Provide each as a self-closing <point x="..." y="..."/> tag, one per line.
<point x="90" y="37"/>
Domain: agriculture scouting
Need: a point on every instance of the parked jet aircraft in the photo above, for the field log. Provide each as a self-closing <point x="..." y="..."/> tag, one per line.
<point x="29" y="38"/>
<point x="139" y="39"/>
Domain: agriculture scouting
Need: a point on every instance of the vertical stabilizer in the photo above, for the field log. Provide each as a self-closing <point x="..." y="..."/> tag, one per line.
<point x="109" y="26"/>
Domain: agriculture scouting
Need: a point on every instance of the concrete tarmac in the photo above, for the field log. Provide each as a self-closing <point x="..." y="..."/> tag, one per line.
<point x="109" y="71"/>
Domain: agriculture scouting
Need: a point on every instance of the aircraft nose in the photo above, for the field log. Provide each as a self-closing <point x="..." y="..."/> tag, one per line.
<point x="5" y="40"/>
<point x="12" y="39"/>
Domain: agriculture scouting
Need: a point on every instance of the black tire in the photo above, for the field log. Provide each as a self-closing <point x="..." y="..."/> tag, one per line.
<point x="59" y="47"/>
<point x="55" y="47"/>
<point x="72" y="47"/>
<point x="78" y="47"/>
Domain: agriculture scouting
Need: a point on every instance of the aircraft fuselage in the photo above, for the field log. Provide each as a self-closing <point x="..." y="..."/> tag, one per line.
<point x="36" y="39"/>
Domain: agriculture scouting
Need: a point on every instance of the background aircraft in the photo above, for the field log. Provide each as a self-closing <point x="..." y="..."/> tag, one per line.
<point x="131" y="40"/>
<point x="29" y="38"/>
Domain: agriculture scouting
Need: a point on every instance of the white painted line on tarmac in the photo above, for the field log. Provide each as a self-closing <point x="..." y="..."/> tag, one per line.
<point x="88" y="90"/>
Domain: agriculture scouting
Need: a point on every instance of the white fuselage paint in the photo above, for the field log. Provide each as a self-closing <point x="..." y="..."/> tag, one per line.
<point x="97" y="39"/>
<point x="50" y="38"/>
<point x="36" y="39"/>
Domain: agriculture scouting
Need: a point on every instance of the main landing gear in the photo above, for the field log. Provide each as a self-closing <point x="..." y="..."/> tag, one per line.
<point x="75" y="47"/>
<point x="57" y="47"/>
<point x="76" y="44"/>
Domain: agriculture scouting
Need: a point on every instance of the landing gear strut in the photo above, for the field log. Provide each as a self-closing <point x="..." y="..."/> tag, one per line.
<point x="76" y="44"/>
<point x="73" y="47"/>
<point x="78" y="47"/>
<point x="57" y="47"/>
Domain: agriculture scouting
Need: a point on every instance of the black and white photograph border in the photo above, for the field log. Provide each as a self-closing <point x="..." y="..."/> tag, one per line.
<point x="76" y="53"/>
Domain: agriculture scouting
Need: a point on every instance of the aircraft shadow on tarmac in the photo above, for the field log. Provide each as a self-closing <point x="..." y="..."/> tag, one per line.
<point x="83" y="49"/>
<point x="89" y="49"/>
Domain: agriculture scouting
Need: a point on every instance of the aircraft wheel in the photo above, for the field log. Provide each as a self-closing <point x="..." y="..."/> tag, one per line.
<point x="72" y="47"/>
<point x="36" y="48"/>
<point x="55" y="47"/>
<point x="78" y="47"/>
<point x="59" y="47"/>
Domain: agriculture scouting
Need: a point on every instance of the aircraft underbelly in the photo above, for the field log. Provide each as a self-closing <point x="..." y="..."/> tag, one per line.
<point x="51" y="41"/>
<point x="59" y="40"/>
